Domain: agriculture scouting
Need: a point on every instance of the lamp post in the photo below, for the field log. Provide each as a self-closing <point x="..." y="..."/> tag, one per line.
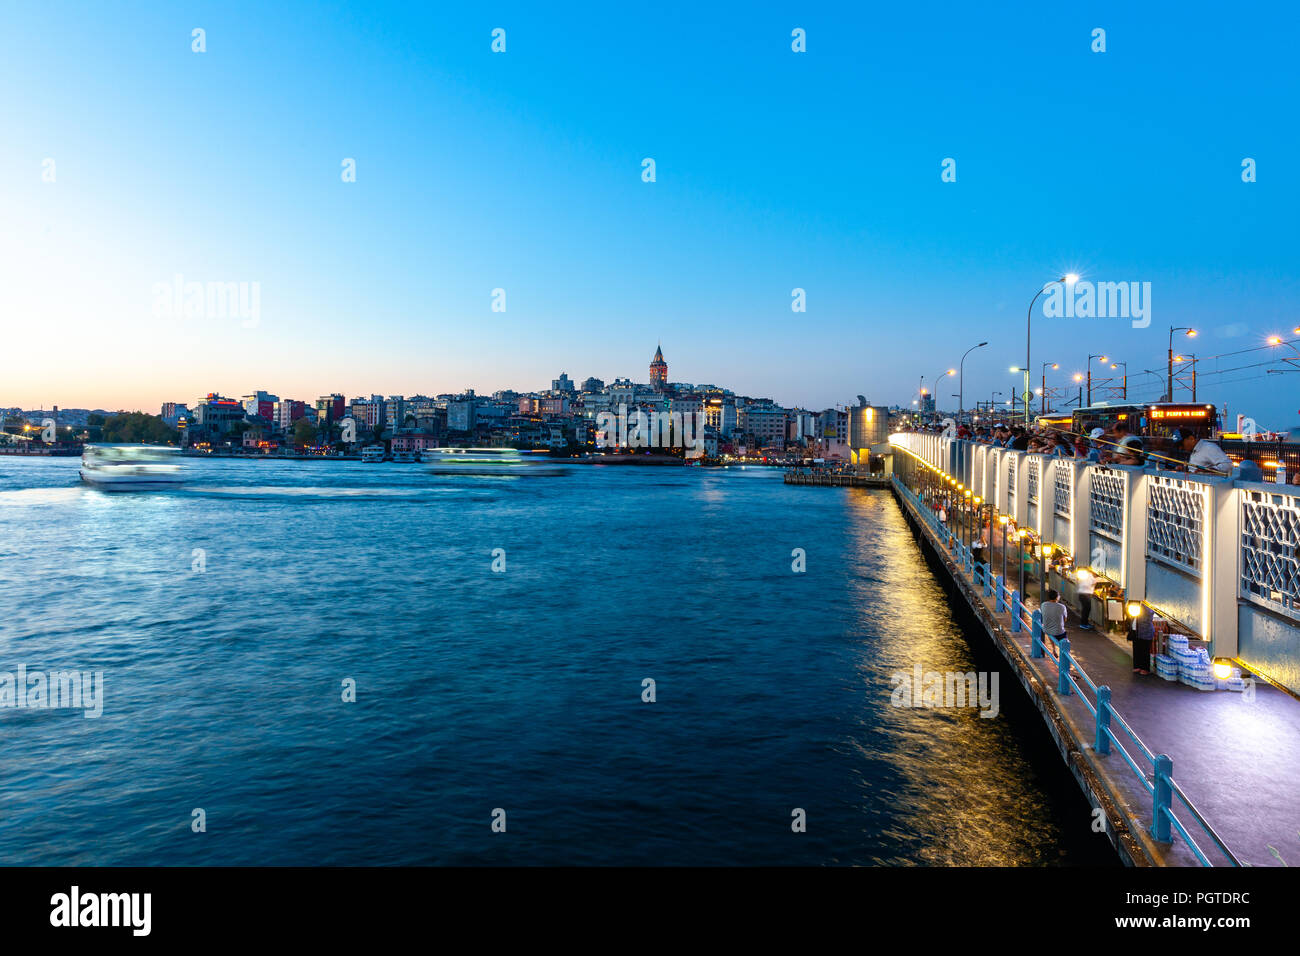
<point x="1046" y="365"/>
<point x="935" y="391"/>
<point x="1124" y="380"/>
<point x="967" y="516"/>
<point x="1068" y="279"/>
<point x="1276" y="340"/>
<point x="1002" y="520"/>
<point x="1186" y="360"/>
<point x="992" y="403"/>
<point x="1090" y="358"/>
<point x="1169" y="381"/>
<point x="961" y="379"/>
<point x="1020" y="559"/>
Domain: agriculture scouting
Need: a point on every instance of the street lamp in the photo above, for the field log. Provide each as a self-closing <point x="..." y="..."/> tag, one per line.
<point x="1124" y="383"/>
<point x="1169" y="383"/>
<point x="1089" y="375"/>
<point x="1002" y="520"/>
<point x="1020" y="559"/>
<point x="1184" y="359"/>
<point x="961" y="378"/>
<point x="1068" y="279"/>
<point x="935" y="391"/>
<point x="1054" y="367"/>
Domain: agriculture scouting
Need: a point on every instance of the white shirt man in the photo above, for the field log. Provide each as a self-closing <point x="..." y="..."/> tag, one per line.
<point x="1209" y="456"/>
<point x="1084" y="582"/>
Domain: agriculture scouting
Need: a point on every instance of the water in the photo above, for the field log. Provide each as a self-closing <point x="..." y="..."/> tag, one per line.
<point x="479" y="690"/>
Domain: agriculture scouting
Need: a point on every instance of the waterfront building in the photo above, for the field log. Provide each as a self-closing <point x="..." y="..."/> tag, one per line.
<point x="720" y="414"/>
<point x="329" y="409"/>
<point x="691" y="405"/>
<point x="868" y="427"/>
<point x="763" y="421"/>
<point x="260" y="403"/>
<point x="215" y="415"/>
<point x="553" y="406"/>
<point x="462" y="416"/>
<point x="414" y="441"/>
<point x="173" y="412"/>
<point x="286" y="412"/>
<point x="803" y="426"/>
<point x="394" y="411"/>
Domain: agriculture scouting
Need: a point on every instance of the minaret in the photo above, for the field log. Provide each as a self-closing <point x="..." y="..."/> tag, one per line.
<point x="658" y="370"/>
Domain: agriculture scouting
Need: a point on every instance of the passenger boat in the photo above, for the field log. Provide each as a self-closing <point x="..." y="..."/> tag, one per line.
<point x="130" y="467"/>
<point x="372" y="453"/>
<point x="405" y="457"/>
<point x="491" y="461"/>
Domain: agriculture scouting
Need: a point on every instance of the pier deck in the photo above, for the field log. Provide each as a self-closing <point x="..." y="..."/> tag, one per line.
<point x="1235" y="757"/>
<point x="838" y="481"/>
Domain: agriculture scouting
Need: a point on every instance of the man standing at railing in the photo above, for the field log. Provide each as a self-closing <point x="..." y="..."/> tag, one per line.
<point x="1054" y="613"/>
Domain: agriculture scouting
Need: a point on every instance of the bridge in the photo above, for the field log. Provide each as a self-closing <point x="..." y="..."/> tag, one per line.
<point x="1217" y="558"/>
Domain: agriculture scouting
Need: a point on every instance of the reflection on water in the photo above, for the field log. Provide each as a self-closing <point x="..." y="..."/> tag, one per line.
<point x="479" y="689"/>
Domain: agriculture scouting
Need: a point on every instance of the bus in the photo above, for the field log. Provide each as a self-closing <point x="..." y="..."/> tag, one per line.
<point x="1154" y="422"/>
<point x="1157" y="420"/>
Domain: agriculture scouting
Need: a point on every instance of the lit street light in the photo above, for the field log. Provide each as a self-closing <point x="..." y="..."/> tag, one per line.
<point x="961" y="379"/>
<point x="1043" y="393"/>
<point x="1124" y="386"/>
<point x="935" y="391"/>
<point x="1068" y="279"/>
<point x="1189" y="359"/>
<point x="1169" y="384"/>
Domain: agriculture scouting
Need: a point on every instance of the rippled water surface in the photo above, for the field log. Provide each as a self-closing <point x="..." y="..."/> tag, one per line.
<point x="479" y="690"/>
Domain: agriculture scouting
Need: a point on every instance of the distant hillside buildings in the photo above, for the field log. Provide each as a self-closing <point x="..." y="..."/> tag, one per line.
<point x="563" y="416"/>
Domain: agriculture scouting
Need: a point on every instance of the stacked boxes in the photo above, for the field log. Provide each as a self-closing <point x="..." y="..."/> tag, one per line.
<point x="1166" y="667"/>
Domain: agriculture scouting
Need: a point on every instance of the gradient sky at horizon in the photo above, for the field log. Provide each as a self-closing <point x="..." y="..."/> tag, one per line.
<point x="522" y="170"/>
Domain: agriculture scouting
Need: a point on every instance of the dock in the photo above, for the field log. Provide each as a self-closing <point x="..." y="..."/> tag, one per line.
<point x="837" y="480"/>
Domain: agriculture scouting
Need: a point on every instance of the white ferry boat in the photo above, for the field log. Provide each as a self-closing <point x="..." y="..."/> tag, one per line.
<point x="405" y="457"/>
<point x="130" y="467"/>
<point x="491" y="461"/>
<point x="372" y="453"/>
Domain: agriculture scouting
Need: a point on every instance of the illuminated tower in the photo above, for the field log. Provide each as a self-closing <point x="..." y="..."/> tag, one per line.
<point x="658" y="370"/>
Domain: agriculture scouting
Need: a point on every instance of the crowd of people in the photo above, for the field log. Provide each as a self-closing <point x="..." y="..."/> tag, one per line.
<point x="1188" y="451"/>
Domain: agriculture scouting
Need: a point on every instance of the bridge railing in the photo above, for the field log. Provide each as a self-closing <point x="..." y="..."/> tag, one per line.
<point x="1155" y="773"/>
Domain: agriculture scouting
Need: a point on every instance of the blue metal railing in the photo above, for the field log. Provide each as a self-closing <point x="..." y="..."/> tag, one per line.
<point x="1159" y="782"/>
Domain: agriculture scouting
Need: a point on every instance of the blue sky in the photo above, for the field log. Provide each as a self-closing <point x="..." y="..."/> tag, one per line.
<point x="522" y="171"/>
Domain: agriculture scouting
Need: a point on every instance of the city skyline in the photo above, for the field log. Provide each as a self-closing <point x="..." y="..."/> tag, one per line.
<point x="523" y="171"/>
